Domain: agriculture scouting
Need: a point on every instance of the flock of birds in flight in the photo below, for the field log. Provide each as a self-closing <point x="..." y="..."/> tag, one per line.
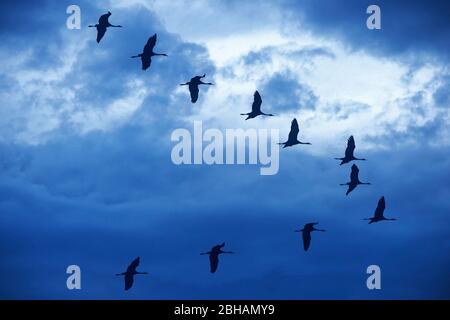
<point x="193" y="85"/>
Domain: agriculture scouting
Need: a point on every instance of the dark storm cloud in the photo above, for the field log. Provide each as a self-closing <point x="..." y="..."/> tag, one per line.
<point x="282" y="92"/>
<point x="413" y="28"/>
<point x="140" y="204"/>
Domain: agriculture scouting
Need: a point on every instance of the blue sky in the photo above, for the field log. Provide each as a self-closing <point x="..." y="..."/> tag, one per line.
<point x="87" y="179"/>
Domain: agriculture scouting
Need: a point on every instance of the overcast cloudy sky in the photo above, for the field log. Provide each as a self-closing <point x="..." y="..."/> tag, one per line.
<point x="86" y="176"/>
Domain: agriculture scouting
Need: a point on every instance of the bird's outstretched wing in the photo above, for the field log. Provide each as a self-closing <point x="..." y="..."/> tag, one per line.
<point x="148" y="49"/>
<point x="351" y="187"/>
<point x="380" y="208"/>
<point x="350" y="147"/>
<point x="193" y="90"/>
<point x="294" y="131"/>
<point x="133" y="265"/>
<point x="103" y="20"/>
<point x="146" y="62"/>
<point x="306" y="239"/>
<point x="129" y="279"/>
<point x="354" y="174"/>
<point x="214" y="262"/>
<point x="101" y="30"/>
<point x="256" y="105"/>
<point x="310" y="225"/>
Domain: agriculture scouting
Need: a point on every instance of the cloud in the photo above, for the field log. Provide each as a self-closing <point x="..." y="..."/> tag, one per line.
<point x="61" y="90"/>
<point x="300" y="95"/>
<point x="421" y="34"/>
<point x="349" y="92"/>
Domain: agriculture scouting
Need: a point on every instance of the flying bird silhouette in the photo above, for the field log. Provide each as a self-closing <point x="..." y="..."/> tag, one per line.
<point x="102" y="25"/>
<point x="354" y="180"/>
<point x="129" y="274"/>
<point x="193" y="86"/>
<point x="214" y="256"/>
<point x="349" y="152"/>
<point x="378" y="215"/>
<point x="293" y="136"/>
<point x="306" y="234"/>
<point x="256" y="107"/>
<point x="146" y="56"/>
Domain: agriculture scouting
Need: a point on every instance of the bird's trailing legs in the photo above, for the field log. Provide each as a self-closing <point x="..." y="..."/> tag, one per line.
<point x="348" y="183"/>
<point x="346" y="160"/>
<point x="155" y="54"/>
<point x="260" y="114"/>
<point x="372" y="220"/>
<point x="207" y="83"/>
<point x="209" y="252"/>
<point x="111" y="25"/>
<point x="286" y="144"/>
<point x="314" y="229"/>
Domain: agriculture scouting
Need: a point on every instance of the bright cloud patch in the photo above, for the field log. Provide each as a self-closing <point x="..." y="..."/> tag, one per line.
<point x="350" y="92"/>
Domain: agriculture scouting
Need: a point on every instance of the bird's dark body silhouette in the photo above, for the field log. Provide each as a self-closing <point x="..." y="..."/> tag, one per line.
<point x="102" y="25"/>
<point x="306" y="234"/>
<point x="293" y="136"/>
<point x="214" y="256"/>
<point x="129" y="274"/>
<point x="354" y="180"/>
<point x="147" y="54"/>
<point x="378" y="215"/>
<point x="256" y="108"/>
<point x="193" y="86"/>
<point x="349" y="152"/>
